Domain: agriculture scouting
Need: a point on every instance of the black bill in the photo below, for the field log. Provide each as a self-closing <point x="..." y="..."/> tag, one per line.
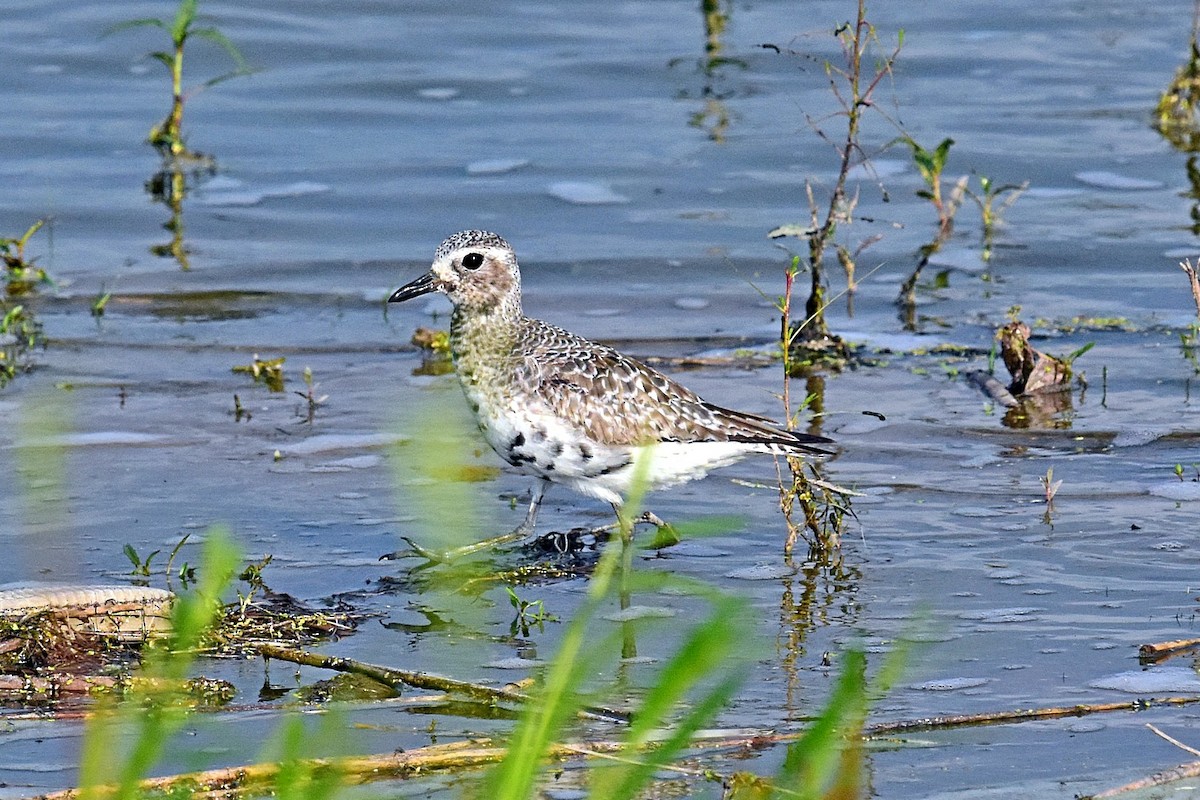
<point x="416" y="288"/>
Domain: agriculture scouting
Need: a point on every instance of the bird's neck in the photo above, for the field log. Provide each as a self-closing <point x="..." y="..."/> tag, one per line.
<point x="482" y="336"/>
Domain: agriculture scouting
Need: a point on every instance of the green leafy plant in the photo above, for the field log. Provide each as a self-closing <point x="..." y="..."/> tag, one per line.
<point x="931" y="164"/>
<point x="993" y="201"/>
<point x="100" y="303"/>
<point x="20" y="274"/>
<point x="527" y="613"/>
<point x="167" y="136"/>
<point x="141" y="566"/>
<point x="20" y="332"/>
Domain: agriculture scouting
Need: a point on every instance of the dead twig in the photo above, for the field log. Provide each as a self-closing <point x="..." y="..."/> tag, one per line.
<point x="420" y="680"/>
<point x="1191" y="272"/>
<point x="1182" y="772"/>
<point x="1173" y="740"/>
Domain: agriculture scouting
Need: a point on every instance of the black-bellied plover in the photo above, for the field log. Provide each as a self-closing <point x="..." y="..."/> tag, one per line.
<point x="566" y="410"/>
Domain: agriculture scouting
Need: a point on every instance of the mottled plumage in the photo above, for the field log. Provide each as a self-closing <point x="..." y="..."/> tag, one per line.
<point x="557" y="406"/>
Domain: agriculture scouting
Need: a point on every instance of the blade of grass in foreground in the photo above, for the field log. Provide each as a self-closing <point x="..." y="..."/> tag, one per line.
<point x="546" y="715"/>
<point x="154" y="713"/>
<point x="703" y="654"/>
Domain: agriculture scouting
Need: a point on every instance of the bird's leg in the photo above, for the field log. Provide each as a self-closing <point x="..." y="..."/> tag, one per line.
<point x="522" y="531"/>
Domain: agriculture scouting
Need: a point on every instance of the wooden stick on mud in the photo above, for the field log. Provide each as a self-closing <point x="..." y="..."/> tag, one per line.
<point x="1159" y="650"/>
<point x="420" y="680"/>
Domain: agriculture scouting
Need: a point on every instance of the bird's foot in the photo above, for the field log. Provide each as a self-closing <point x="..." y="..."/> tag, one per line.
<point x="664" y="536"/>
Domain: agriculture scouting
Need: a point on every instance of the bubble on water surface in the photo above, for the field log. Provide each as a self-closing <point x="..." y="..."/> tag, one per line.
<point x="1001" y="615"/>
<point x="641" y="612"/>
<point x="692" y="303"/>
<point x="1176" y="490"/>
<point x="515" y="662"/>
<point x="583" y="193"/>
<point x="761" y="572"/>
<point x="496" y="166"/>
<point x="1158" y="680"/>
<point x="438" y="93"/>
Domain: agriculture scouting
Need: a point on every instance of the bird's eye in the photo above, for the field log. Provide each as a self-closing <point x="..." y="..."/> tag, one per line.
<point x="472" y="261"/>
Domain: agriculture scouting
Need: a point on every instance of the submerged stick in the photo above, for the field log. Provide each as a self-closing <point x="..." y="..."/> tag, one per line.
<point x="1183" y="771"/>
<point x="1022" y="715"/>
<point x="420" y="680"/>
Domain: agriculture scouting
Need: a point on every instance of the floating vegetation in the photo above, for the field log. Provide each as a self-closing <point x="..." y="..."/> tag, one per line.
<point x="267" y="372"/>
<point x="435" y="351"/>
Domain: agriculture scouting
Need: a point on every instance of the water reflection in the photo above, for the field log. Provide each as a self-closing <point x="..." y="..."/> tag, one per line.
<point x="713" y="117"/>
<point x="170" y="187"/>
<point x="820" y="592"/>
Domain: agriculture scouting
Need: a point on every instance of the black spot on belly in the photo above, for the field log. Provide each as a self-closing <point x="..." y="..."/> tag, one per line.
<point x="585" y="452"/>
<point x="556" y="449"/>
<point x="474" y="407"/>
<point x="517" y="441"/>
<point x="611" y="468"/>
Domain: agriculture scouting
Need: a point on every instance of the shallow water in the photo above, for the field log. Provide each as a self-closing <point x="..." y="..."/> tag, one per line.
<point x="372" y="132"/>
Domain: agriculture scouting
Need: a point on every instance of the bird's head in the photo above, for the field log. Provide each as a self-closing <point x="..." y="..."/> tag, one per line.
<point x="475" y="269"/>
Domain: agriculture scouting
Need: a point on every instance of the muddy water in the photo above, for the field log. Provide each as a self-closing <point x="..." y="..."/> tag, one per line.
<point x="638" y="188"/>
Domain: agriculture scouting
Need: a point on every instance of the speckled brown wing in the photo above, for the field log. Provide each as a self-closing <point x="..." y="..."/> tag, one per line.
<point x="617" y="400"/>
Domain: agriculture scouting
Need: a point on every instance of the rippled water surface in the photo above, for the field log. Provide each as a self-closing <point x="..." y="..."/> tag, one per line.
<point x="638" y="189"/>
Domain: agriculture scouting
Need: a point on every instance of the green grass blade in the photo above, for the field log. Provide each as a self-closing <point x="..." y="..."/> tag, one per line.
<point x="215" y="36"/>
<point x="144" y="22"/>
<point x="812" y="762"/>
<point x="703" y="654"/>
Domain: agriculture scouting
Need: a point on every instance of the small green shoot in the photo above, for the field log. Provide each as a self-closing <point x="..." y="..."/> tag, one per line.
<point x="1050" y="486"/>
<point x="930" y="164"/>
<point x="992" y="208"/>
<point x="1179" y="471"/>
<point x="100" y="303"/>
<point x="527" y="613"/>
<point x="239" y="411"/>
<point x="20" y="332"/>
<point x="141" y="566"/>
<point x="167" y="136"/>
<point x="309" y="395"/>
